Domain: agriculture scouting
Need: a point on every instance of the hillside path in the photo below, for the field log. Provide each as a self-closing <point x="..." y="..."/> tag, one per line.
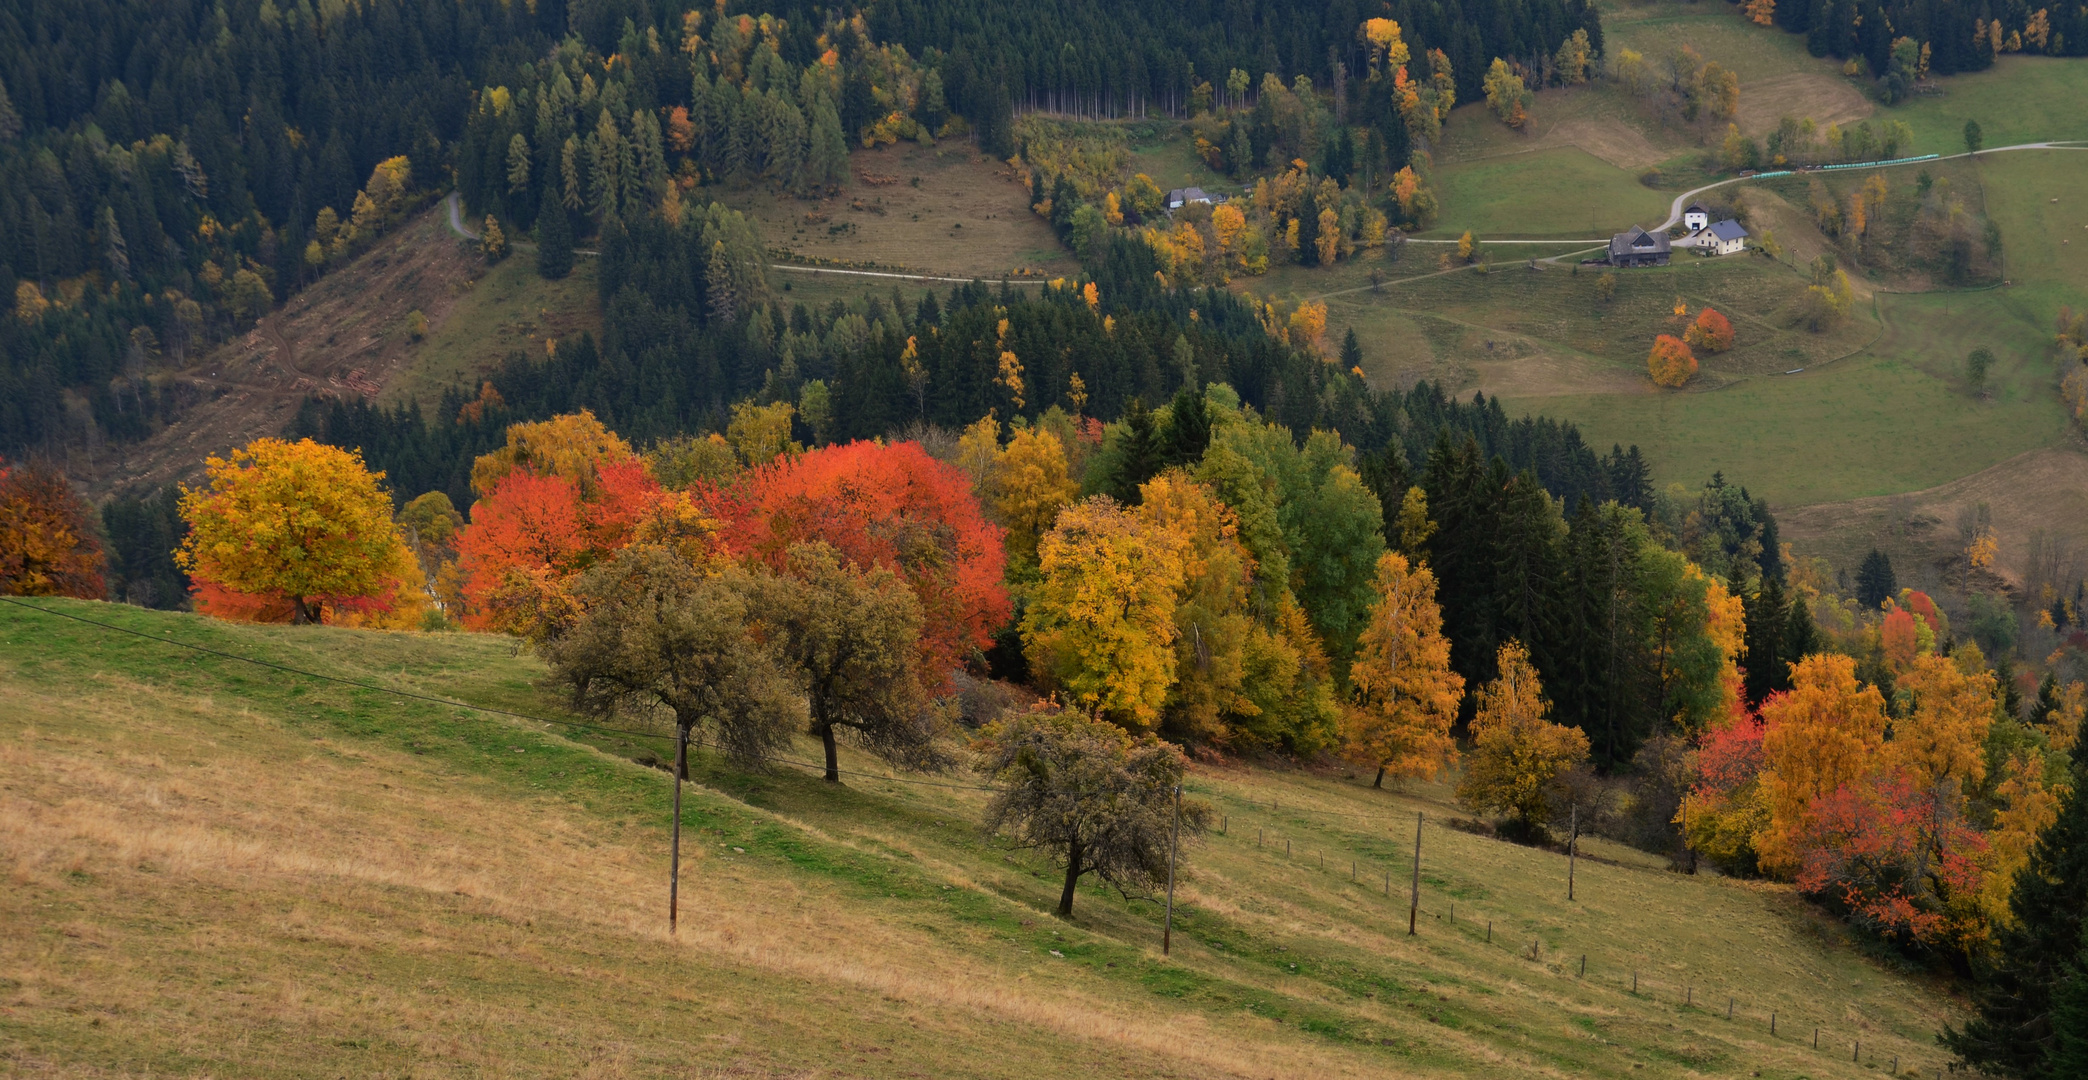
<point x="456" y="216"/>
<point x="1682" y="200"/>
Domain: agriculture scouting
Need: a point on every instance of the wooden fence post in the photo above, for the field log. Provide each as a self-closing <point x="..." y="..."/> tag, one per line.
<point x="1174" y="843"/>
<point x="1572" y="844"/>
<point x="1414" y="906"/>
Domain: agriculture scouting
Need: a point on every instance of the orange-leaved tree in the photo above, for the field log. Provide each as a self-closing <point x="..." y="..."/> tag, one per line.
<point x="1407" y="696"/>
<point x="1671" y="363"/>
<point x="294" y="530"/>
<point x="887" y="505"/>
<point x="1710" y="332"/>
<point x="533" y="533"/>
<point x="1100" y="625"/>
<point x="1817" y="736"/>
<point x="48" y="545"/>
<point x="1517" y="752"/>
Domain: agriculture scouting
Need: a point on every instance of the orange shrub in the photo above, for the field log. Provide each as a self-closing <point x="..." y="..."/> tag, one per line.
<point x="1671" y="363"/>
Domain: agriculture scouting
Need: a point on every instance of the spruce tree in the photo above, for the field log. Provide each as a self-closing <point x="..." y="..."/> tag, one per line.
<point x="2069" y="1054"/>
<point x="1801" y="637"/>
<point x="1138" y="453"/>
<point x="1351" y="350"/>
<point x="1874" y="580"/>
<point x="2017" y="988"/>
<point x="1767" y="665"/>
<point x="554" y="238"/>
<point x="1188" y="428"/>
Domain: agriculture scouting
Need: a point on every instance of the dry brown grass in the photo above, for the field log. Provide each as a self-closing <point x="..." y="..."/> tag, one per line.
<point x="209" y="885"/>
<point x="949" y="211"/>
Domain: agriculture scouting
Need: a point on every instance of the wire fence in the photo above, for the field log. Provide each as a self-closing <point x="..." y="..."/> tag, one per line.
<point x="1379" y="878"/>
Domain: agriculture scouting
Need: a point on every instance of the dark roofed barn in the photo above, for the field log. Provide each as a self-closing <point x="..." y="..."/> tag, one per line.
<point x="1638" y="248"/>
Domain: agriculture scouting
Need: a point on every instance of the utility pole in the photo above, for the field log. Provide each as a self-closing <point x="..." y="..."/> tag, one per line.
<point x="681" y="769"/>
<point x="1173" y="844"/>
<point x="1414" y="906"/>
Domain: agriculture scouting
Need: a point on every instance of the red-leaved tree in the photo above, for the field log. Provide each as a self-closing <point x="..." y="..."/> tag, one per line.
<point x="881" y="505"/>
<point x="1710" y="332"/>
<point x="1898" y="858"/>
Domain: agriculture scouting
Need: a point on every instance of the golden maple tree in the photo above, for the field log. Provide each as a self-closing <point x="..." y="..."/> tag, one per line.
<point x="1671" y="363"/>
<point x="1406" y="694"/>
<point x="1517" y="752"/>
<point x="1819" y="735"/>
<point x="303" y="522"/>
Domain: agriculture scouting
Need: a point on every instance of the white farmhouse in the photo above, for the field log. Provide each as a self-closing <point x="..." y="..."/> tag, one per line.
<point x="1718" y="238"/>
<point x="1695" y="218"/>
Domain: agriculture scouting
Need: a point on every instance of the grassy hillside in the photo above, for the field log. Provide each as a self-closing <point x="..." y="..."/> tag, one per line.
<point x="221" y="869"/>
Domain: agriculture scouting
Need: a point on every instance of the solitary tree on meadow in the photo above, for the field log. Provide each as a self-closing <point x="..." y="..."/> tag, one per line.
<point x="1102" y="801"/>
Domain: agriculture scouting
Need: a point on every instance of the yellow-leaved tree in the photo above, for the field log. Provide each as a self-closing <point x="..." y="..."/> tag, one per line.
<point x="1213" y="631"/>
<point x="1099" y="626"/>
<point x="570" y="446"/>
<point x="300" y="525"/>
<point x="1942" y="739"/>
<point x="1517" y="752"/>
<point x="1029" y="485"/>
<point x="1406" y="694"/>
<point x="1817" y="736"/>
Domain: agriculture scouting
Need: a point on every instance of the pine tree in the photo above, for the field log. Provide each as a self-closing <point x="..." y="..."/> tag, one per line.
<point x="2016" y="989"/>
<point x="554" y="238"/>
<point x="1525" y="602"/>
<point x="1771" y="559"/>
<point x="1630" y="481"/>
<point x="10" y="121"/>
<point x="1874" y="581"/>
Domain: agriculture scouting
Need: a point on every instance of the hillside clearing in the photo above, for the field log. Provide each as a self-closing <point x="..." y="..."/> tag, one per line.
<point x="235" y="871"/>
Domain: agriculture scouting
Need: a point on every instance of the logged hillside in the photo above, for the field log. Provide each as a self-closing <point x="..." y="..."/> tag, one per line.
<point x="231" y="870"/>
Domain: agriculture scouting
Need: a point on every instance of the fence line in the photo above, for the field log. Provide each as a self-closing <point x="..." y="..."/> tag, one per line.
<point x="1683" y="994"/>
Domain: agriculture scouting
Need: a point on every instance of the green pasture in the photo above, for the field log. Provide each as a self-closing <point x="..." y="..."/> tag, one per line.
<point x="2020" y="99"/>
<point x="315" y="879"/>
<point x="1557" y="192"/>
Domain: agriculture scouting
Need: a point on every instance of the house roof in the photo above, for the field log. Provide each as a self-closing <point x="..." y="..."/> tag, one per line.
<point x="1638" y="242"/>
<point x="1187" y="195"/>
<point x="1695" y="208"/>
<point x="1727" y="230"/>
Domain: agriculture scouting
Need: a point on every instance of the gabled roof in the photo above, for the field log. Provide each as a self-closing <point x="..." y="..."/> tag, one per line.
<point x="1727" y="230"/>
<point x="1638" y="242"/>
<point x="1695" y="208"/>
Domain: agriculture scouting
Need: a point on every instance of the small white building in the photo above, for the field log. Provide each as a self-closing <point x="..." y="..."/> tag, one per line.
<point x="1695" y="218"/>
<point x="1180" y="197"/>
<point x="1726" y="237"/>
